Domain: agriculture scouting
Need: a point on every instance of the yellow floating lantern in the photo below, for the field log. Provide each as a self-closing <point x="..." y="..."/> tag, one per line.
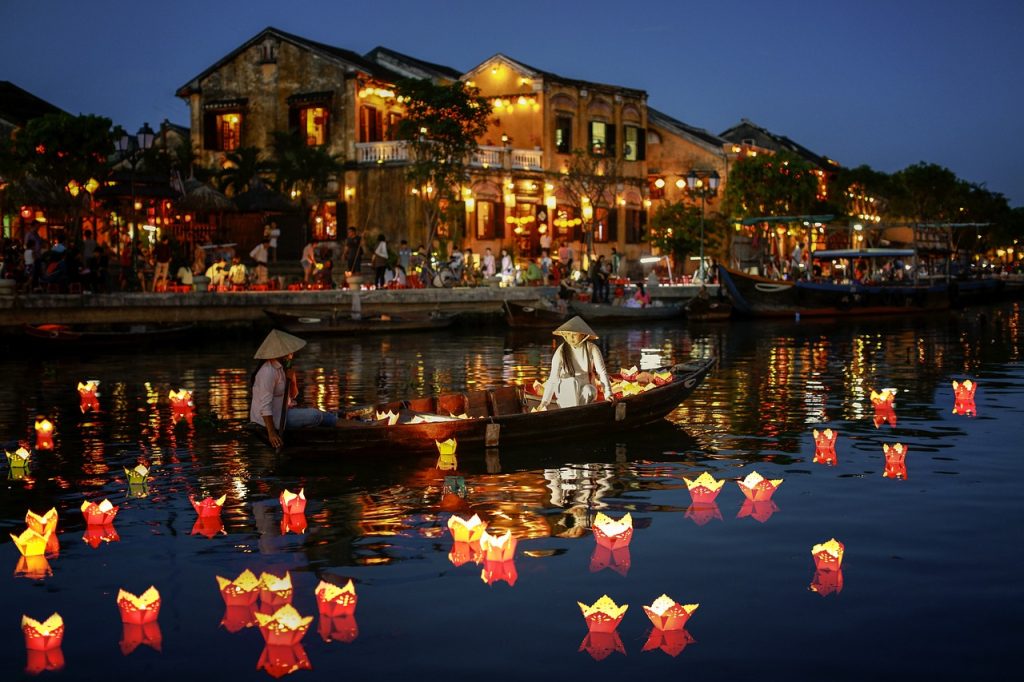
<point x="611" y="533"/>
<point x="704" y="489"/>
<point x="45" y="524"/>
<point x="466" y="531"/>
<point x="498" y="547"/>
<point x="447" y="460"/>
<point x="666" y="614"/>
<point x="388" y="416"/>
<point x="604" y="615"/>
<point x="284" y="627"/>
<point x="757" y="488"/>
<point x="31" y="543"/>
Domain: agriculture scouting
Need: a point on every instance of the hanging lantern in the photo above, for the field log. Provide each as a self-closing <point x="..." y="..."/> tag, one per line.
<point x="338" y="629"/>
<point x="100" y="514"/>
<point x="604" y="615"/>
<point x="133" y="636"/>
<point x="828" y="556"/>
<point x="95" y="535"/>
<point x="208" y="507"/>
<point x="895" y="461"/>
<point x="963" y="398"/>
<point x="138" y="474"/>
<point x="601" y="645"/>
<point x="139" y="610"/>
<point x="275" y="591"/>
<point x="19" y="458"/>
<point x="208" y="526"/>
<point x="285" y="626"/>
<point x="43" y="525"/>
<point x="498" y="547"/>
<point x="757" y="488"/>
<point x="464" y="552"/>
<point x="332" y="600"/>
<point x="181" y="405"/>
<point x="44" y="433"/>
<point x="43" y="636"/>
<point x="825" y="447"/>
<point x="446" y="460"/>
<point x="33" y="568"/>
<point x="760" y="511"/>
<point x="703" y="513"/>
<point x="278" y="660"/>
<point x="294" y="523"/>
<point x="242" y="591"/>
<point x="499" y="571"/>
<point x="618" y="559"/>
<point x="613" y="534"/>
<point x="704" y="489"/>
<point x="666" y="614"/>
<point x="672" y="642"/>
<point x="88" y="393"/>
<point x="293" y="503"/>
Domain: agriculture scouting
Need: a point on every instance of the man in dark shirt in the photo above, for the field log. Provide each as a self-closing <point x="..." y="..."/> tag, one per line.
<point x="353" y="255"/>
<point x="162" y="256"/>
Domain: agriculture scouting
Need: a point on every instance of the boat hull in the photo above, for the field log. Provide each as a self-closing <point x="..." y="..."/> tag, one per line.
<point x="328" y="325"/>
<point x="603" y="312"/>
<point x="113" y="336"/>
<point x="524" y="316"/>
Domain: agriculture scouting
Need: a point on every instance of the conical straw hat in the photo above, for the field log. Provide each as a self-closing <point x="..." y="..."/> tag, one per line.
<point x="576" y="325"/>
<point x="277" y="345"/>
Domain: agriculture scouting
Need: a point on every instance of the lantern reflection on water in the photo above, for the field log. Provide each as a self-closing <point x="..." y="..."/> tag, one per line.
<point x="704" y="489"/>
<point x="94" y="535"/>
<point x="42" y="661"/>
<point x="895" y="461"/>
<point x="101" y="514"/>
<point x="825" y="447"/>
<point x="33" y="567"/>
<point x="703" y="513"/>
<point x="447" y="459"/>
<point x="338" y="628"/>
<point x="611" y="533"/>
<point x="604" y="615"/>
<point x="601" y="645"/>
<point x="133" y="635"/>
<point x="294" y="523"/>
<point x="760" y="511"/>
<point x="44" y="433"/>
<point x="237" y="617"/>
<point x="672" y="642"/>
<point x="617" y="559"/>
<point x="285" y="626"/>
<point x="88" y="395"/>
<point x="139" y="610"/>
<point x="757" y="488"/>
<point x="280" y="660"/>
<point x="208" y="526"/>
<point x="463" y="552"/>
<point x="495" y="571"/>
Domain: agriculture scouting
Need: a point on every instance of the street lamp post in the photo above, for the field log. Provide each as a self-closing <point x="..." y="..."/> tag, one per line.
<point x="695" y="181"/>
<point x="130" y="150"/>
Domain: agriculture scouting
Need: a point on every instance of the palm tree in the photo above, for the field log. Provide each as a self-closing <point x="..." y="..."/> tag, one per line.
<point x="243" y="166"/>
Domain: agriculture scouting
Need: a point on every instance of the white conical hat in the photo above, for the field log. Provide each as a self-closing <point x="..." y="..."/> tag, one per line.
<point x="277" y="345"/>
<point x="575" y="325"/>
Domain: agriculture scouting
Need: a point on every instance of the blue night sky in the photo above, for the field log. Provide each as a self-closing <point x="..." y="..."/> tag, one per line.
<point x="886" y="84"/>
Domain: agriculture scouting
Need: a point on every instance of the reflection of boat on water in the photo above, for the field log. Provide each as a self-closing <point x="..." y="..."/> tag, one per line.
<point x="604" y="312"/>
<point x="499" y="417"/>
<point x="708" y="309"/>
<point x="533" y="315"/>
<point x="331" y="323"/>
<point x="112" y="335"/>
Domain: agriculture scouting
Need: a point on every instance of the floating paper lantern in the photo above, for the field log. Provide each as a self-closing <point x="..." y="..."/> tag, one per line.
<point x="666" y="614"/>
<point x="884" y="415"/>
<point x="672" y="642"/>
<point x="293" y="503"/>
<point x="33" y="567"/>
<point x="761" y="510"/>
<point x="466" y="531"/>
<point x="963" y="398"/>
<point x="828" y="556"/>
<point x="464" y="552"/>
<point x="885" y="397"/>
<point x="446" y="460"/>
<point x="294" y="523"/>
<point x="45" y="524"/>
<point x="139" y="610"/>
<point x="181" y="405"/>
<point x="134" y="635"/>
<point x="138" y="490"/>
<point x="757" y="488"/>
<point x="238" y="617"/>
<point x="19" y="458"/>
<point x="208" y="526"/>
<point x="600" y="645"/>
<point x="275" y="591"/>
<point x="137" y="474"/>
<point x="43" y="636"/>
<point x="285" y="626"/>
<point x="604" y="615"/>
<point x="703" y="513"/>
<point x="31" y="543"/>
<point x="338" y="628"/>
<point x="100" y="514"/>
<point x="895" y="461"/>
<point x="704" y="489"/>
<point x="611" y="533"/>
<point x="825" y="446"/>
<point x="44" y="433"/>
<point x="242" y="591"/>
<point x="497" y="571"/>
<point x="498" y="547"/>
<point x="88" y="393"/>
<point x="278" y="660"/>
<point x="618" y="559"/>
<point x="827" y="582"/>
<point x="208" y="506"/>
<point x="332" y="600"/>
<point x="95" y="535"/>
<point x="390" y="417"/>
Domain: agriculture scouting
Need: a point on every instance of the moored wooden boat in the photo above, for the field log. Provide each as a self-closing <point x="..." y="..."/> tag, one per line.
<point x="535" y="316"/>
<point x="328" y="323"/>
<point x="708" y="309"/>
<point x="495" y="418"/>
<point x="604" y="312"/>
<point x="112" y="335"/>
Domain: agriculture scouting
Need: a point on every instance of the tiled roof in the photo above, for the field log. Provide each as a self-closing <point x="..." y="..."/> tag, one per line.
<point x="19" y="106"/>
<point x="662" y="119"/>
<point x="383" y="55"/>
<point x="763" y="137"/>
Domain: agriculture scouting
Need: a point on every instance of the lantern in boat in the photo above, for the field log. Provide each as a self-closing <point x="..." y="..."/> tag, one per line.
<point x="963" y="398"/>
<point x="43" y="525"/>
<point x="141" y="609"/>
<point x="703" y="513"/>
<point x="499" y="571"/>
<point x="275" y="591"/>
<point x="498" y="547"/>
<point x="760" y="511"/>
<point x="338" y="629"/>
<point x="828" y="556"/>
<point x="88" y="394"/>
<point x="132" y="636"/>
<point x="44" y="433"/>
<point x="601" y="645"/>
<point x="33" y="568"/>
<point x="181" y="405"/>
<point x="19" y="458"/>
<point x="293" y="503"/>
<point x="100" y="514"/>
<point x="827" y="582"/>
<point x="617" y="559"/>
<point x="138" y="474"/>
<point x="94" y="535"/>
<point x="208" y="506"/>
<point x="390" y="417"/>
<point x="208" y="526"/>
<point x="279" y="660"/>
<point x="629" y="374"/>
<point x="704" y="489"/>
<point x="332" y="600"/>
<point x="466" y="531"/>
<point x="672" y="642"/>
<point x="604" y="615"/>
<point x="242" y="591"/>
<point x="757" y="488"/>
<point x="285" y="626"/>
<point x="611" y="533"/>
<point x="463" y="552"/>
<point x="825" y="446"/>
<point x="294" y="523"/>
<point x="446" y="460"/>
<point x="666" y="614"/>
<point x="895" y="461"/>
<point x="43" y="636"/>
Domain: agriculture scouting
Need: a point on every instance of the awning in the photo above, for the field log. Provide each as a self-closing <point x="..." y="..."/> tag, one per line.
<point x="862" y="253"/>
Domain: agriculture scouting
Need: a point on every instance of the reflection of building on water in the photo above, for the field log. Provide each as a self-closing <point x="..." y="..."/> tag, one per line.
<point x="585" y="484"/>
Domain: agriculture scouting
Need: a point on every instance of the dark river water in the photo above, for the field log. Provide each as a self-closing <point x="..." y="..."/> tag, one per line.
<point x="930" y="585"/>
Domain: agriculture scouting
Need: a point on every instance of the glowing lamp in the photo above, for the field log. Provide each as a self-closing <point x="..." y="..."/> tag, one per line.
<point x="828" y="556"/>
<point x="498" y="547"/>
<point x="141" y="609"/>
<point x="208" y="506"/>
<point x="895" y="461"/>
<point x="242" y="591"/>
<point x="884" y="397"/>
<point x="333" y="601"/>
<point x="704" y="489"/>
<point x="138" y="490"/>
<point x="100" y="514"/>
<point x="825" y="447"/>
<point x="33" y="568"/>
<point x="44" y="434"/>
<point x="338" y="629"/>
<point x="278" y="660"/>
<point x="294" y="523"/>
<point x="757" y="488"/>
<point x="446" y="460"/>
<point x="137" y="474"/>
<point x="760" y="511"/>
<point x="293" y="503"/>
<point x="283" y="627"/>
<point x="617" y="559"/>
<point x="672" y="642"/>
<point x="702" y="513"/>
<point x="464" y="552"/>
<point x="388" y="416"/>
<point x="43" y="636"/>
<point x="88" y="395"/>
<point x="604" y="615"/>
<point x="43" y="525"/>
<point x="275" y="591"/>
<point x="19" y="458"/>
<point x="613" y="534"/>
<point x="499" y="571"/>
<point x="208" y="526"/>
<point x="133" y="636"/>
<point x="666" y="614"/>
<point x="827" y="582"/>
<point x="95" y="535"/>
<point x="601" y="645"/>
<point x="181" y="405"/>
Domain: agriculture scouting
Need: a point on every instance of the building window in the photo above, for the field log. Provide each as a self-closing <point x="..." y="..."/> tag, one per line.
<point x="313" y="125"/>
<point x="636" y="226"/>
<point x="633" y="144"/>
<point x="606" y="224"/>
<point x="391" y="132"/>
<point x="371" y="124"/>
<point x="486" y="220"/>
<point x="563" y="134"/>
<point x="602" y="138"/>
<point x="223" y="131"/>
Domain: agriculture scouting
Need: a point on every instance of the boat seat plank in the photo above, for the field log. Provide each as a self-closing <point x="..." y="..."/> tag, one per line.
<point x="505" y="400"/>
<point x="477" y="404"/>
<point x="451" y="403"/>
<point x="424" y="404"/>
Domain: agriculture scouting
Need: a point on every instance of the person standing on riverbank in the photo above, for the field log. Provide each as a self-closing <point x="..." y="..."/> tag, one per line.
<point x="353" y="253"/>
<point x="380" y="261"/>
<point x="162" y="256"/>
<point x="261" y="254"/>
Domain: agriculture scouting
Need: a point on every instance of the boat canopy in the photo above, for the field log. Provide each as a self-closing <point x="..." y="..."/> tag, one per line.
<point x="788" y="219"/>
<point x="862" y="253"/>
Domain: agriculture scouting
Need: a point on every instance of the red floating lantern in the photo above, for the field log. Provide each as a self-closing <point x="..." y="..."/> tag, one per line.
<point x="704" y="489"/>
<point x="294" y="523"/>
<point x="44" y="433"/>
<point x="242" y="591"/>
<point x="88" y="393"/>
<point x="275" y="591"/>
<point x="759" y="511"/>
<point x="703" y="513"/>
<point x="895" y="461"/>
<point x="611" y="533"/>
<point x="757" y="488"/>
<point x="181" y="405"/>
<point x="139" y="610"/>
<point x="666" y="614"/>
<point x="101" y="514"/>
<point x="825" y="447"/>
<point x="963" y="398"/>
<point x="208" y="506"/>
<point x="463" y="552"/>
<point x="285" y="626"/>
<point x="672" y="642"/>
<point x="278" y="660"/>
<point x="45" y="635"/>
<point x="95" y="535"/>
<point x="601" y="645"/>
<point x="333" y="601"/>
<point x="134" y="635"/>
<point x="293" y="503"/>
<point x="616" y="559"/>
<point x="604" y="615"/>
<point x="496" y="571"/>
<point x="828" y="556"/>
<point x="338" y="628"/>
<point x="827" y="582"/>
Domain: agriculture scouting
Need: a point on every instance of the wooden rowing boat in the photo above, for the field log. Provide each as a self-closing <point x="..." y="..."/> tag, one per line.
<point x="330" y="323"/>
<point x="111" y="335"/>
<point x="521" y="315"/>
<point x="604" y="312"/>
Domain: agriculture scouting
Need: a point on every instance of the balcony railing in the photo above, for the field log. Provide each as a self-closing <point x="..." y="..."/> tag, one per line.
<point x="484" y="157"/>
<point x="382" y="152"/>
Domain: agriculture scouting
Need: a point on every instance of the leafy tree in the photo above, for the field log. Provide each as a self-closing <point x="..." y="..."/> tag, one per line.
<point x="859" y="191"/>
<point x="675" y="230"/>
<point x="771" y="185"/>
<point x="243" y="167"/>
<point x="927" y="192"/>
<point x="590" y="182"/>
<point x="441" y="126"/>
